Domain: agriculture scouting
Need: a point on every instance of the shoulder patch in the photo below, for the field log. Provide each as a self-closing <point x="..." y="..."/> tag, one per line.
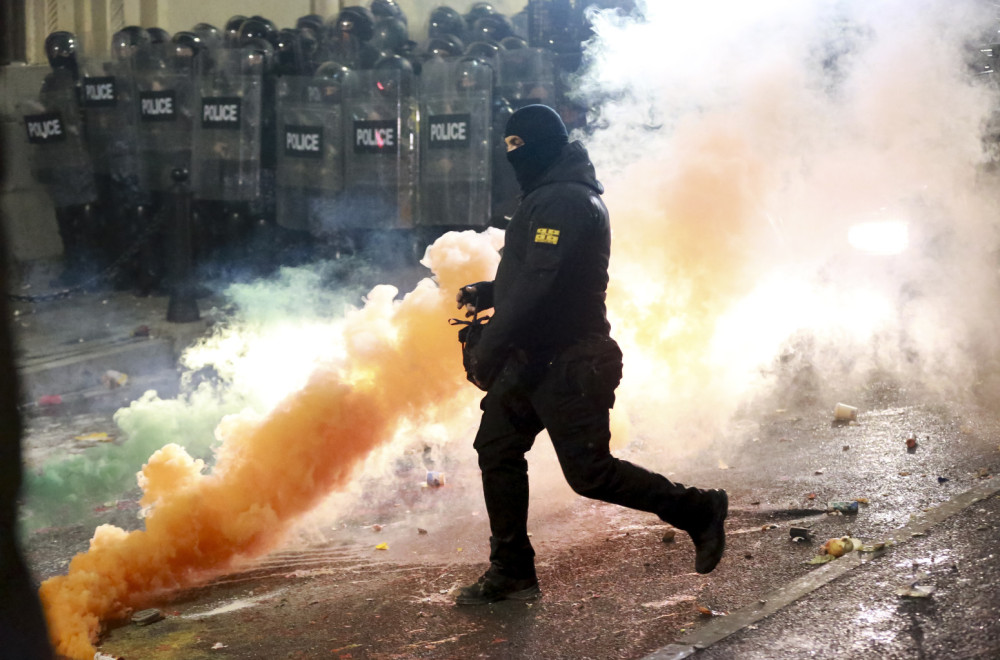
<point x="545" y="235"/>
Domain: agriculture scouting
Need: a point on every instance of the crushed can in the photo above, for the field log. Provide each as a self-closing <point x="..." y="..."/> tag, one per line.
<point x="435" y="479"/>
<point x="843" y="507"/>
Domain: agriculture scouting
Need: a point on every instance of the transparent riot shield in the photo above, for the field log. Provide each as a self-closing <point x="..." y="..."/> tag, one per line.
<point x="310" y="155"/>
<point x="58" y="153"/>
<point x="166" y="96"/>
<point x="109" y="98"/>
<point x="227" y="128"/>
<point x="528" y="75"/>
<point x="455" y="143"/>
<point x="381" y="168"/>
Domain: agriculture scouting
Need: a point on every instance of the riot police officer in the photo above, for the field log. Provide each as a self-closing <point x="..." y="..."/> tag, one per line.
<point x="60" y="160"/>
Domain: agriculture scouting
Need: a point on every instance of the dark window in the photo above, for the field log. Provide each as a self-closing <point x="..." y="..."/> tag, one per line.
<point x="13" y="46"/>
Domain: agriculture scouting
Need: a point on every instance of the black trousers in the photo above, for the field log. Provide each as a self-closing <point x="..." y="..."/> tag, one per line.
<point x="570" y="396"/>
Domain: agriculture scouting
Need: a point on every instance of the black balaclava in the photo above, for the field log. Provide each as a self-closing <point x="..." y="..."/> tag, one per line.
<point x="544" y="135"/>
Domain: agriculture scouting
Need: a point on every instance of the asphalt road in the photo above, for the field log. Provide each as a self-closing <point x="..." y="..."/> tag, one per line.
<point x="611" y="587"/>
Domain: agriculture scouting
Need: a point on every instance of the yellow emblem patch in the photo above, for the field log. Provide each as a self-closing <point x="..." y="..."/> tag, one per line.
<point x="550" y="236"/>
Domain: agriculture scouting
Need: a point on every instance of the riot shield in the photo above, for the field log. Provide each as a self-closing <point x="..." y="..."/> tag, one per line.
<point x="527" y="75"/>
<point x="455" y="143"/>
<point x="310" y="155"/>
<point x="227" y="129"/>
<point x="166" y="97"/>
<point x="59" y="157"/>
<point x="109" y="97"/>
<point x="381" y="169"/>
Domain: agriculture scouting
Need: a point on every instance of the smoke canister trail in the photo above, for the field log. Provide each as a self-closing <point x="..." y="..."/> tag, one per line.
<point x="401" y="363"/>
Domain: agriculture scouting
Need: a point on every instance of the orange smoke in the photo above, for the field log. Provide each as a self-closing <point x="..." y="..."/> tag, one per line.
<point x="402" y="363"/>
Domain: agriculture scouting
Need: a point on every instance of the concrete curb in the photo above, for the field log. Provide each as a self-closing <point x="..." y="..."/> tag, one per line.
<point x="720" y="628"/>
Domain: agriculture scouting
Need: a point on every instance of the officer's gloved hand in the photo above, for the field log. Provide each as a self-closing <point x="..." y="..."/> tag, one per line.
<point x="475" y="297"/>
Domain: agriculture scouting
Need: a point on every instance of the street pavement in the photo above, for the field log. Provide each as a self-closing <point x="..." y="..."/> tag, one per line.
<point x="612" y="587"/>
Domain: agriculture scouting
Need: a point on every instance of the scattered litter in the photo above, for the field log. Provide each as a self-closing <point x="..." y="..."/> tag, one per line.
<point x="435" y="479"/>
<point x="811" y="496"/>
<point x="982" y="473"/>
<point x="376" y="528"/>
<point x="722" y="465"/>
<point x="845" y="413"/>
<point x="704" y="611"/>
<point x="94" y="437"/>
<point x="911" y="443"/>
<point x="861" y="500"/>
<point x="141" y="331"/>
<point x="803" y="533"/>
<point x="50" y="400"/>
<point x="382" y="546"/>
<point x="768" y="526"/>
<point x="847" y="447"/>
<point x="421" y="531"/>
<point x="837" y="547"/>
<point x="748" y="555"/>
<point x="914" y="591"/>
<point x="104" y="656"/>
<point x="842" y="507"/>
<point x="669" y="536"/>
<point x="942" y="480"/>
<point x="218" y="645"/>
<point x="818" y="472"/>
<point x="904" y="474"/>
<point x="821" y="559"/>
<point x="146" y="617"/>
<point x="112" y="379"/>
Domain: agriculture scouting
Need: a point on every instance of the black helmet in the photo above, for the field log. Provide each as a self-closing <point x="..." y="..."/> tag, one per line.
<point x="254" y="28"/>
<point x="391" y="36"/>
<point x="130" y="42"/>
<point x="331" y="77"/>
<point x="393" y="73"/>
<point x="60" y="48"/>
<point x="286" y="52"/>
<point x="232" y="29"/>
<point x="445" y="20"/>
<point x="444" y="46"/>
<point x="272" y="29"/>
<point x="494" y="27"/>
<point x="386" y="9"/>
<point x="483" y="50"/>
<point x="477" y="11"/>
<point x="357" y="22"/>
<point x="313" y="21"/>
<point x="184" y="47"/>
<point x="513" y="43"/>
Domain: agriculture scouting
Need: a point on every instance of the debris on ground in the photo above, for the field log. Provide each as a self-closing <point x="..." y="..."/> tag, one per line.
<point x="112" y="379"/>
<point x="911" y="443"/>
<point x="141" y="331"/>
<point x="843" y="506"/>
<point x="421" y="531"/>
<point x="800" y="534"/>
<point x="704" y="611"/>
<point x="218" y="645"/>
<point x="382" y="546"/>
<point x="837" y="547"/>
<point x="982" y="473"/>
<point x="861" y="500"/>
<point x="846" y="447"/>
<point x="845" y="413"/>
<point x="435" y="479"/>
<point x="942" y="480"/>
<point x="722" y="465"/>
<point x="669" y="536"/>
<point x="146" y="617"/>
<point x="49" y="400"/>
<point x="768" y="527"/>
<point x="104" y="656"/>
<point x="94" y="437"/>
<point x="913" y="590"/>
<point x="811" y="496"/>
<point x="376" y="528"/>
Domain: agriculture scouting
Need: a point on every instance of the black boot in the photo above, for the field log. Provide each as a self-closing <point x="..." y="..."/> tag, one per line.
<point x="493" y="587"/>
<point x="710" y="536"/>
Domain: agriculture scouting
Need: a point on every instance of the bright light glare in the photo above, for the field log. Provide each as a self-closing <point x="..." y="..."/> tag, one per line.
<point x="882" y="238"/>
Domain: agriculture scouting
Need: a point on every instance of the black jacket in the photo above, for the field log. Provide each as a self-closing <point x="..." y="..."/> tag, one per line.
<point x="552" y="280"/>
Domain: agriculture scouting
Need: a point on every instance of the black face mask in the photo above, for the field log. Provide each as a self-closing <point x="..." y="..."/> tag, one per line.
<point x="530" y="160"/>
